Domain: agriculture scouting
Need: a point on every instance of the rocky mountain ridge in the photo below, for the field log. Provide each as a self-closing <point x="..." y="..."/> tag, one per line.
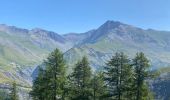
<point x="24" y="49"/>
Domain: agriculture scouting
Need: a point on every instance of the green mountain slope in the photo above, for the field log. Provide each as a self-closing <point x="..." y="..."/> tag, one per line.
<point x="22" y="50"/>
<point x="115" y="36"/>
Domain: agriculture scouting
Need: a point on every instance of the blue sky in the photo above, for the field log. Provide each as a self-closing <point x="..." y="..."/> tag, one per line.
<point x="65" y="16"/>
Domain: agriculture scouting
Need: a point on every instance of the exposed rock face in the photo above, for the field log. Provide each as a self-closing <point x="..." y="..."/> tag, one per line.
<point x="21" y="50"/>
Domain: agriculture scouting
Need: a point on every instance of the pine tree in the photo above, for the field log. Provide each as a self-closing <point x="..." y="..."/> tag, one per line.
<point x="4" y="95"/>
<point x="40" y="87"/>
<point x="98" y="86"/>
<point x="80" y="81"/>
<point x="50" y="83"/>
<point x="141" y="67"/>
<point x="119" y="77"/>
<point x="13" y="94"/>
<point x="56" y="73"/>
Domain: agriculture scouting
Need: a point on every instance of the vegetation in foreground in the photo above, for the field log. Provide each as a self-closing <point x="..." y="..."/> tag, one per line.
<point x="9" y="95"/>
<point x="121" y="79"/>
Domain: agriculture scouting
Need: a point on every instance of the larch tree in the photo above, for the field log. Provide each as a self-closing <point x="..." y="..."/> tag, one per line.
<point x="142" y="73"/>
<point x="56" y="73"/>
<point x="80" y="80"/>
<point x="98" y="86"/>
<point x="40" y="86"/>
<point x="14" y="93"/>
<point x="119" y="76"/>
<point x="51" y="80"/>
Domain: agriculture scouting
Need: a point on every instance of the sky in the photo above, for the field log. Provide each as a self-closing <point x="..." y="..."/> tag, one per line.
<point x="65" y="16"/>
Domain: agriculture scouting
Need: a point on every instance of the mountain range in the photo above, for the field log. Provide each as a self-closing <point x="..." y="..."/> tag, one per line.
<point x="22" y="50"/>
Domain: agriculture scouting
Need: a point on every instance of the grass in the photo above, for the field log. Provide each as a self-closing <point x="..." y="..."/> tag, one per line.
<point x="21" y="51"/>
<point x="4" y="79"/>
<point x="164" y="70"/>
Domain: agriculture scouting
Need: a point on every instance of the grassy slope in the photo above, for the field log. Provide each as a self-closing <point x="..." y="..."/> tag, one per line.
<point x="17" y="50"/>
<point x="100" y="51"/>
<point x="20" y="50"/>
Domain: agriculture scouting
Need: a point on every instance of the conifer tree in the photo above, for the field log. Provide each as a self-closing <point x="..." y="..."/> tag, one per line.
<point x="13" y="94"/>
<point x="141" y="67"/>
<point x="56" y="73"/>
<point x="118" y="76"/>
<point x="80" y="81"/>
<point x="40" y="87"/>
<point x="4" y="95"/>
<point x="98" y="86"/>
<point x="50" y="83"/>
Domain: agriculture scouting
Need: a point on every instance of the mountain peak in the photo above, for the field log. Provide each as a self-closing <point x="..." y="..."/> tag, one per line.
<point x="45" y="33"/>
<point x="12" y="29"/>
<point x="111" y="24"/>
<point x="38" y="30"/>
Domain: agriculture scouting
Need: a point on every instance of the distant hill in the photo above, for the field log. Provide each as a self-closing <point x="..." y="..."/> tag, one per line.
<point x="161" y="85"/>
<point x="101" y="43"/>
<point x="21" y="50"/>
